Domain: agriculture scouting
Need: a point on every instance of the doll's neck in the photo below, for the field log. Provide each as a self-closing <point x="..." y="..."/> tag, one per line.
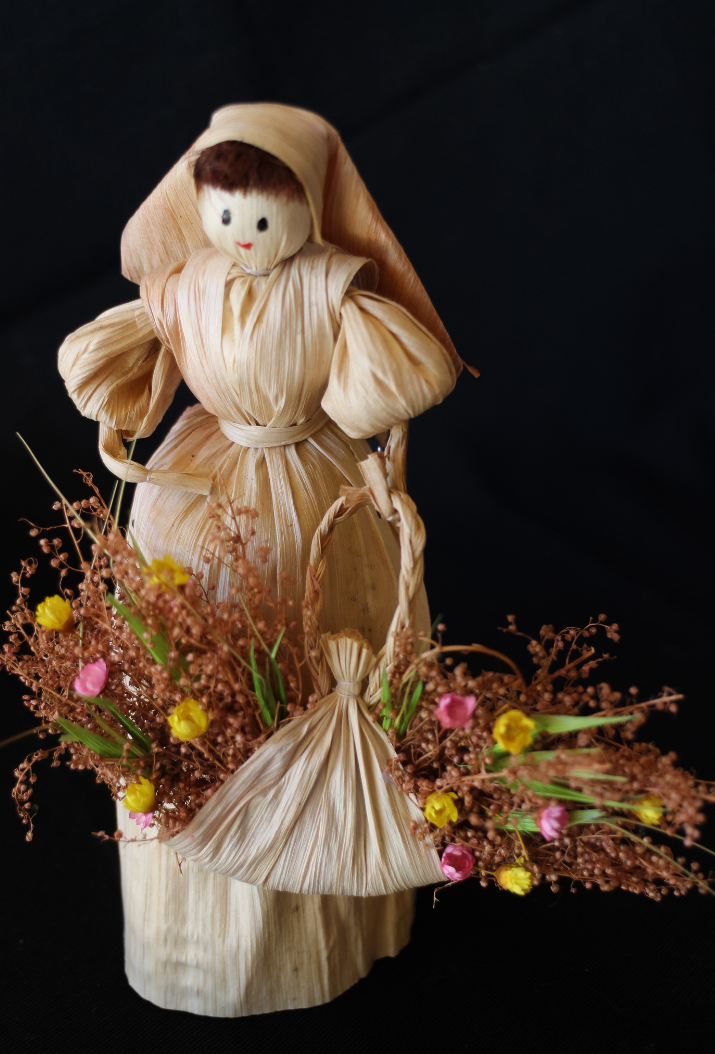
<point x="258" y="274"/>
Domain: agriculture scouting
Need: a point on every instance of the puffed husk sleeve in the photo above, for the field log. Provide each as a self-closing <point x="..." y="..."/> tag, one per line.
<point x="118" y="372"/>
<point x="386" y="367"/>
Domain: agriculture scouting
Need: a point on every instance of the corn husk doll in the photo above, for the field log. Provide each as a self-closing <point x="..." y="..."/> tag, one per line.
<point x="270" y="283"/>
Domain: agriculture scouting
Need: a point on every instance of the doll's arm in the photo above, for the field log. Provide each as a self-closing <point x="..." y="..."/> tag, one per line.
<point x="386" y="367"/>
<point x="118" y="372"/>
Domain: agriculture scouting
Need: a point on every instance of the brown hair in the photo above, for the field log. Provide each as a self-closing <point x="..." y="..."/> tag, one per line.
<point x="240" y="166"/>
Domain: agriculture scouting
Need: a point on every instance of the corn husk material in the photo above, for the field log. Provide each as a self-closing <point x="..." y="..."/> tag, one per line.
<point x="275" y="432"/>
<point x="167" y="227"/>
<point x="311" y="811"/>
<point x="206" y="944"/>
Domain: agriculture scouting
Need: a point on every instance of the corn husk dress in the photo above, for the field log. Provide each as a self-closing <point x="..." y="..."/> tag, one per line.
<point x="291" y="370"/>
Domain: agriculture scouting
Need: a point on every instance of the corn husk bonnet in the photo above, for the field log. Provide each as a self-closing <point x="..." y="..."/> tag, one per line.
<point x="167" y="227"/>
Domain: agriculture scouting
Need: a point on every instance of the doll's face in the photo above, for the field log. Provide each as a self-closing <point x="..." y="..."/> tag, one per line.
<point x="254" y="229"/>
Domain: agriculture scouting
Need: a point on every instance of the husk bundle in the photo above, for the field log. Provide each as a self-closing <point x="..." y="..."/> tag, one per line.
<point x="310" y="812"/>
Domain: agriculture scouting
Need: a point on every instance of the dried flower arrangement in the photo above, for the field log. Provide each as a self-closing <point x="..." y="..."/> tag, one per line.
<point x="162" y="693"/>
<point x="520" y="784"/>
<point x="165" y="693"/>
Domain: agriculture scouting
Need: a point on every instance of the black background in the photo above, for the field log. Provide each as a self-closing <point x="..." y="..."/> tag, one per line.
<point x="548" y="166"/>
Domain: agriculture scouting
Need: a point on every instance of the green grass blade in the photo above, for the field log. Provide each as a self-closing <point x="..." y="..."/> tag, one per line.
<point x="585" y="816"/>
<point x="405" y="723"/>
<point x="259" y="687"/>
<point x="519" y="821"/>
<point x="589" y="774"/>
<point x="385" y="699"/>
<point x="536" y="756"/>
<point x="106" y="748"/>
<point x="105" y="725"/>
<point x="403" y="694"/>
<point x="136" y="750"/>
<point x="135" y="733"/>
<point x="156" y="644"/>
<point x="276" y="646"/>
<point x="553" y="790"/>
<point x="555" y="723"/>
<point x="273" y="671"/>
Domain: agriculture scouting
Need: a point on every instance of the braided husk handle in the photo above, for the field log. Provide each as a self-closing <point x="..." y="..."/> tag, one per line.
<point x="403" y="515"/>
<point x="396" y="456"/>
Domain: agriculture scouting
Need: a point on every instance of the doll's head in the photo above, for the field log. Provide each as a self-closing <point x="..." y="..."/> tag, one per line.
<point x="252" y="206"/>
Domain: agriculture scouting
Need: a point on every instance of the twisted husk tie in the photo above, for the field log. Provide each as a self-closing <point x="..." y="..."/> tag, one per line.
<point x="310" y="811"/>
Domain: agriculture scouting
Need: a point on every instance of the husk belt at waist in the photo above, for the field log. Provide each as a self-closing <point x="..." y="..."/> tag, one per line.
<point x="114" y="456"/>
<point x="265" y="436"/>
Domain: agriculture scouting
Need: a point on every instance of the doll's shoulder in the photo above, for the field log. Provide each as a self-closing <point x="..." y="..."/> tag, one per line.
<point x="339" y="267"/>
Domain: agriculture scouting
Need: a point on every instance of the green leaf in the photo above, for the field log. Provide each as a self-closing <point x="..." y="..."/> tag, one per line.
<point x="156" y="644"/>
<point x="553" y="790"/>
<point x="555" y="723"/>
<point x="386" y="699"/>
<point x="589" y="774"/>
<point x="106" y="748"/>
<point x="385" y="696"/>
<point x="135" y="733"/>
<point x="585" y="816"/>
<point x="527" y="823"/>
<point x="537" y="756"/>
<point x="403" y="725"/>
<point x="276" y="646"/>
<point x="519" y="821"/>
<point x="105" y="725"/>
<point x="273" y="667"/>
<point x="403" y="693"/>
<point x="497" y="754"/>
<point x="273" y="672"/>
<point x="262" y="690"/>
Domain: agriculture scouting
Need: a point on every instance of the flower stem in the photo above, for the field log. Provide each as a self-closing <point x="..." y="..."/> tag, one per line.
<point x="22" y="735"/>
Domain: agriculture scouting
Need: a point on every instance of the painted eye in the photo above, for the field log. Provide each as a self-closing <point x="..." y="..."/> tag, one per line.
<point x="226" y="218"/>
<point x="262" y="224"/>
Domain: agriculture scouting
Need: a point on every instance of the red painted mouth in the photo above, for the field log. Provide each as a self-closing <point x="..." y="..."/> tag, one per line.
<point x="248" y="245"/>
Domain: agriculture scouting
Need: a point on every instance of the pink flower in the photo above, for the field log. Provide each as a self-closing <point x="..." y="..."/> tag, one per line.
<point x="552" y="821"/>
<point x="92" y="678"/>
<point x="142" y="818"/>
<point x="457" y="861"/>
<point x="454" y="710"/>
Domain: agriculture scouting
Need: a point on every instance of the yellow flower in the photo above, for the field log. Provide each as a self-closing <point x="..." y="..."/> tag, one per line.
<point x="55" y="613"/>
<point x="515" y="878"/>
<point x="140" y="797"/>
<point x="651" y="810"/>
<point x="167" y="571"/>
<point x="188" y="720"/>
<point x="440" y="808"/>
<point x="512" y="731"/>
